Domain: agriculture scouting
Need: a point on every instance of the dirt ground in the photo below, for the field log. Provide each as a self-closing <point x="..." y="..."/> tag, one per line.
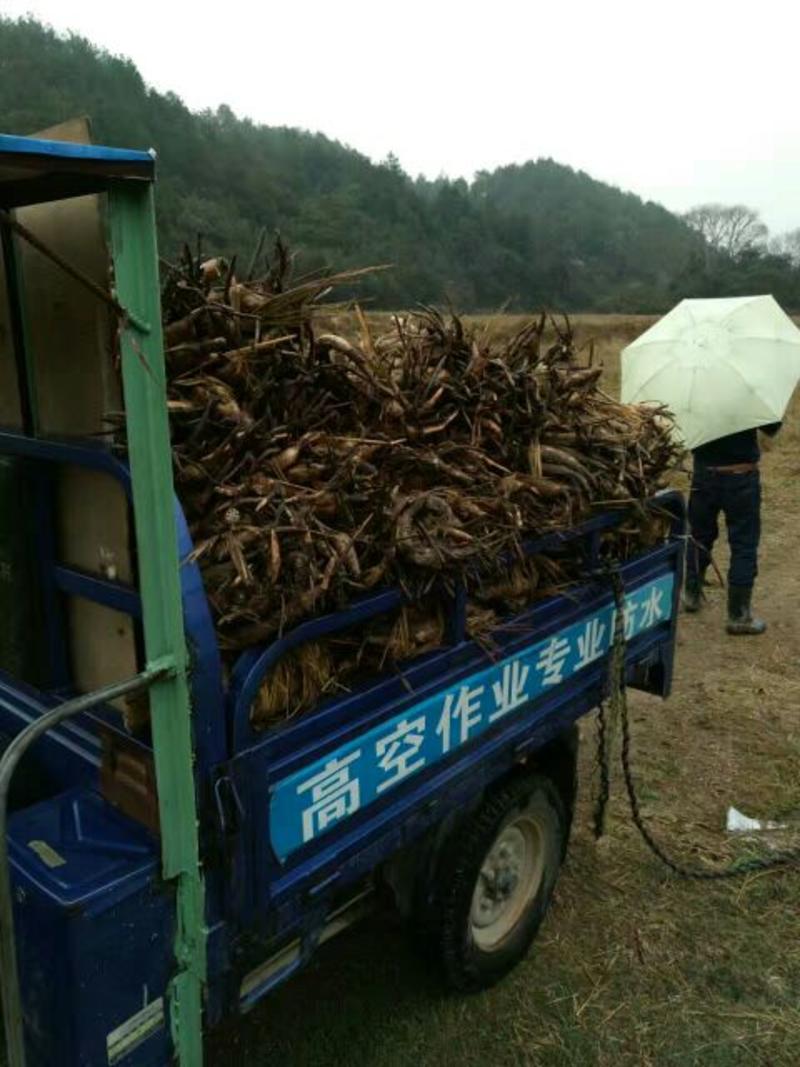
<point x="632" y="966"/>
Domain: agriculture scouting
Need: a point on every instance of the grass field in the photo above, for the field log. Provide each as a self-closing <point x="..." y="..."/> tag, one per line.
<point x="632" y="966"/>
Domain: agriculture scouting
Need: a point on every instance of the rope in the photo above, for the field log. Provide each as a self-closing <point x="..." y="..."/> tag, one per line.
<point x="619" y="706"/>
<point x="7" y="219"/>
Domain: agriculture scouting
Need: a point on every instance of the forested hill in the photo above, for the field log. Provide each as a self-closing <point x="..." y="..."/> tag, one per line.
<point x="526" y="236"/>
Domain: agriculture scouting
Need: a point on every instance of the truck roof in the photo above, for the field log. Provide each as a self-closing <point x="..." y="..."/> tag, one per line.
<point x="33" y="170"/>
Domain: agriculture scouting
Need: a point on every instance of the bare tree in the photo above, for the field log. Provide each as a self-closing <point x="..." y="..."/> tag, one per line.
<point x="730" y="229"/>
<point x="788" y="245"/>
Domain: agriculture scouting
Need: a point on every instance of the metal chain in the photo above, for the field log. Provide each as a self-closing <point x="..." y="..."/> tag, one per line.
<point x="606" y="729"/>
<point x="618" y="697"/>
<point x="601" y="803"/>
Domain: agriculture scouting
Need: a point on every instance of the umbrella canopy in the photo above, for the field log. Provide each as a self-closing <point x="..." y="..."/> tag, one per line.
<point x="720" y="366"/>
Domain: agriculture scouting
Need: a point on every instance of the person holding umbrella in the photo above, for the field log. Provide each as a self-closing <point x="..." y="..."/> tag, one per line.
<point x="726" y="479"/>
<point x="725" y="368"/>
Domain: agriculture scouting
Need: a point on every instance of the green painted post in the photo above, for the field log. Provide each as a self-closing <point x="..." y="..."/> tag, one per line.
<point x="137" y="288"/>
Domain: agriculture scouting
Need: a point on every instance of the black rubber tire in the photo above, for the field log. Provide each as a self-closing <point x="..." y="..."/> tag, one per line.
<point x="468" y="967"/>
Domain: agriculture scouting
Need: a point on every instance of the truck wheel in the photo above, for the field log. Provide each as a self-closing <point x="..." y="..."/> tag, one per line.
<point x="496" y="884"/>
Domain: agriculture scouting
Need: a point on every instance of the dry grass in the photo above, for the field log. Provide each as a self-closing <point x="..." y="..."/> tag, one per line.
<point x="632" y="966"/>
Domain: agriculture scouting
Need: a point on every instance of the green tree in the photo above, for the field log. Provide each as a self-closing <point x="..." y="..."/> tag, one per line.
<point x="524" y="236"/>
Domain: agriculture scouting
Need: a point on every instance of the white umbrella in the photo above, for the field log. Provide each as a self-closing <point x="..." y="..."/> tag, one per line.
<point x="720" y="366"/>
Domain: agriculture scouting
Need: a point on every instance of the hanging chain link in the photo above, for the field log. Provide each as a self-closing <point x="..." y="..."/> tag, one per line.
<point x="603" y="761"/>
<point x="618" y="705"/>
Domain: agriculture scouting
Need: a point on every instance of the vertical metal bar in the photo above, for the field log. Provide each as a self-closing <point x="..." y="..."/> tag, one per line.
<point x="16" y="314"/>
<point x="136" y="280"/>
<point x="52" y="668"/>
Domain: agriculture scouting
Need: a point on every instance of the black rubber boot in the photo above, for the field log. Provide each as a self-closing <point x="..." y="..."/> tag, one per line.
<point x="740" y="617"/>
<point x="693" y="593"/>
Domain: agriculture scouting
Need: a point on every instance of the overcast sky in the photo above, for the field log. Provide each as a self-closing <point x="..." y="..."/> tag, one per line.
<point x="679" y="102"/>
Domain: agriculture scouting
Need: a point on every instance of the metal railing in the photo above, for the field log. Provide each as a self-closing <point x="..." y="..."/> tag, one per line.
<point x="9" y="974"/>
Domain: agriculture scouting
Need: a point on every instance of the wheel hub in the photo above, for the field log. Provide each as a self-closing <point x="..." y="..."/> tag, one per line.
<point x="508" y="880"/>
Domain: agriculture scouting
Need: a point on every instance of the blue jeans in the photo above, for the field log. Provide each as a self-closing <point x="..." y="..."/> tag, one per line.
<point x="738" y="498"/>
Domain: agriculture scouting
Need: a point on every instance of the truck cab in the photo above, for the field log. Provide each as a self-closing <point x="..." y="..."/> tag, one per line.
<point x="153" y="882"/>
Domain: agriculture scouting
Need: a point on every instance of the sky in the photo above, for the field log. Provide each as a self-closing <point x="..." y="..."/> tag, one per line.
<point x="682" y="103"/>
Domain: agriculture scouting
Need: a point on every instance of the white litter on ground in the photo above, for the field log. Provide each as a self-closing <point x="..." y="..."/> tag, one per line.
<point x="738" y="823"/>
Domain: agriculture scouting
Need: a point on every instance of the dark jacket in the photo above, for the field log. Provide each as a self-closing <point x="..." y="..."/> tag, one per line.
<point x="735" y="448"/>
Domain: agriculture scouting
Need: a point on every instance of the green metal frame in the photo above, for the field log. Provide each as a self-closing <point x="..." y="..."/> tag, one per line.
<point x="135" y="258"/>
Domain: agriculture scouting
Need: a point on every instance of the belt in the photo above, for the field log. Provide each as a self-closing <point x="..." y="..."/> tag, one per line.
<point x="735" y="468"/>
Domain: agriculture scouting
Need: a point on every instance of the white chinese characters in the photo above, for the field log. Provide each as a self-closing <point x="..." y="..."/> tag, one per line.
<point x="651" y="609"/>
<point x="509" y="691"/>
<point x="334" y="795"/>
<point x="591" y="643"/>
<point x="398" y="752"/>
<point x="341" y="784"/>
<point x="465" y="708"/>
<point x="552" y="659"/>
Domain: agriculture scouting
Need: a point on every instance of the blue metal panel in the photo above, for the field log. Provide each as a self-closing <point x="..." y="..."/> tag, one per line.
<point x="94" y="934"/>
<point x="36" y="171"/>
<point x="315" y="799"/>
<point x="70" y="754"/>
<point x="82" y="453"/>
<point x="66" y="152"/>
<point x="335" y="863"/>
<point x="352" y="846"/>
<point x="116" y="595"/>
<point x="431" y="672"/>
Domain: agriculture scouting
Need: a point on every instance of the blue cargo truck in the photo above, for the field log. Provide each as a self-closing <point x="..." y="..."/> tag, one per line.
<point x="150" y="888"/>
